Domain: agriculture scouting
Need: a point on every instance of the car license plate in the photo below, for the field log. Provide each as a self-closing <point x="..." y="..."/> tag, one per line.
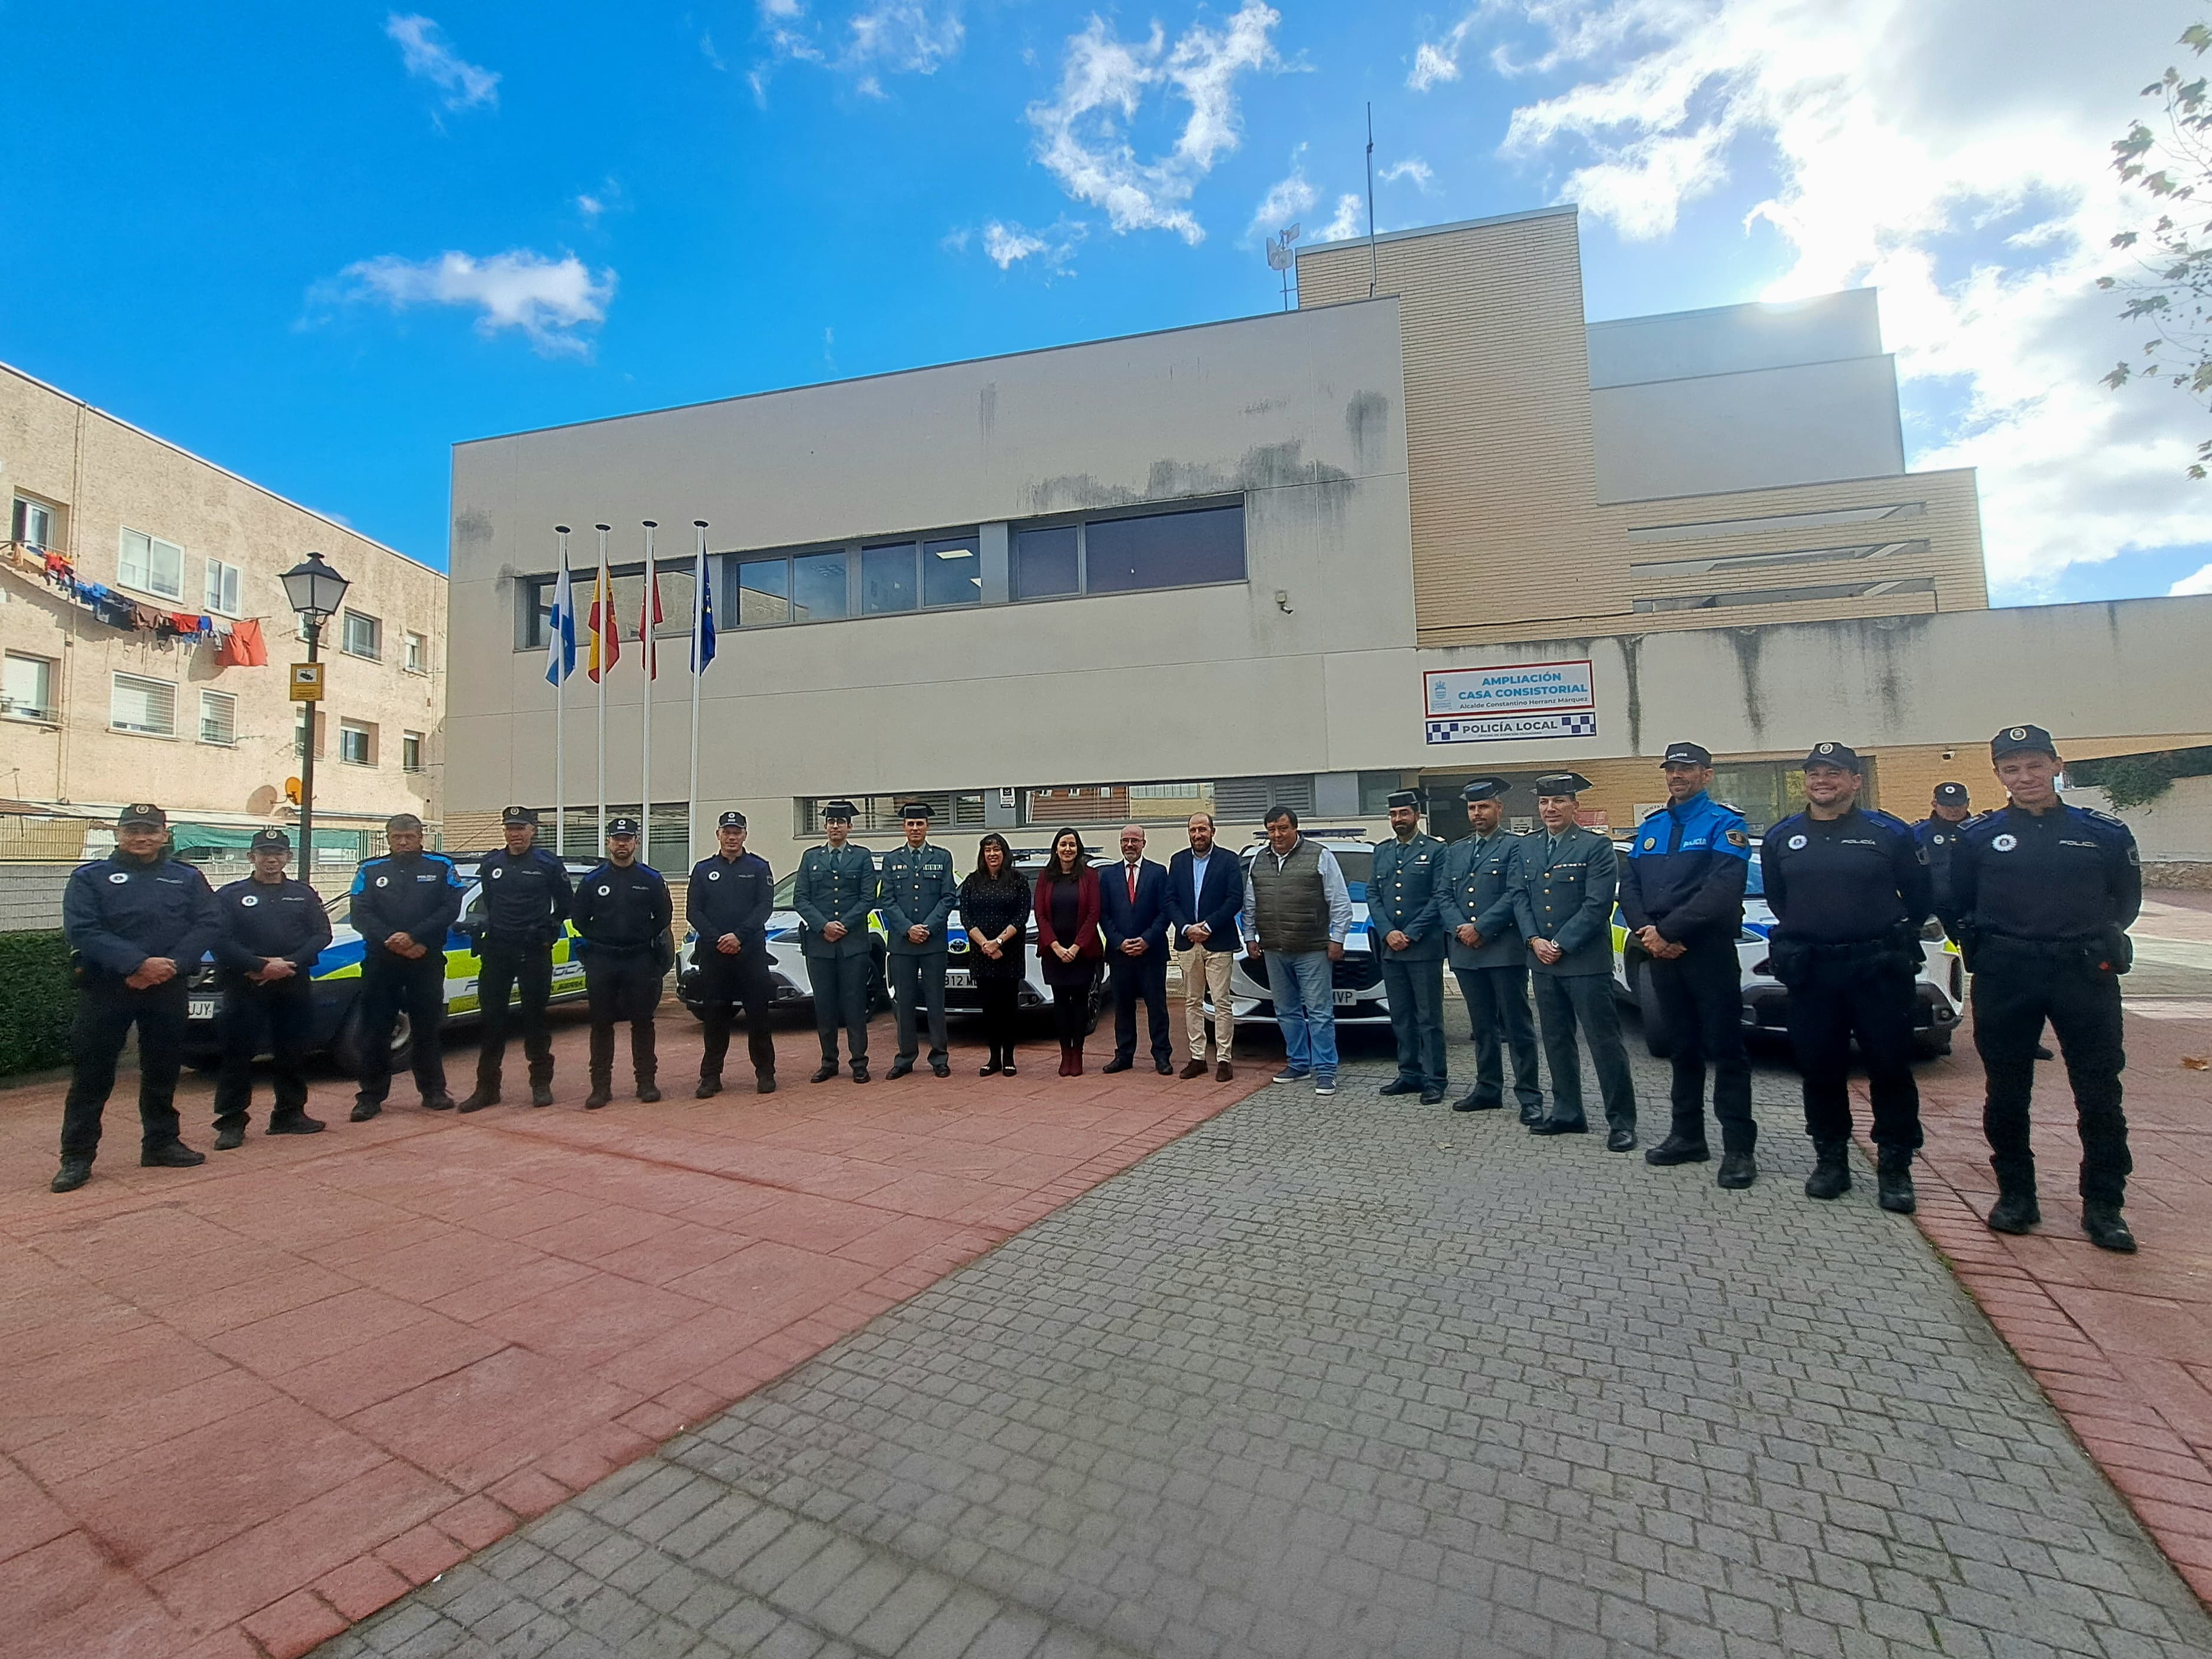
<point x="200" y="1008"/>
<point x="1346" y="998"/>
<point x="959" y="979"/>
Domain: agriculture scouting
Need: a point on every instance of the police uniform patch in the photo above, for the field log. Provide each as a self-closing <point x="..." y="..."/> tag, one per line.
<point x="713" y="875"/>
<point x="117" y="877"/>
<point x="1797" y="843"/>
<point x="1737" y="838"/>
<point x="497" y="872"/>
<point x="1650" y="842"/>
<point x="604" y="891"/>
<point x="2004" y="843"/>
<point x="2017" y="734"/>
<point x="383" y="881"/>
<point x="248" y="899"/>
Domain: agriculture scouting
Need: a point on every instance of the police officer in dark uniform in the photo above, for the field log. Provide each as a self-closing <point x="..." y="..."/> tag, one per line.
<point x="139" y="922"/>
<point x="1474" y="900"/>
<point x="919" y="890"/>
<point x="1403" y="918"/>
<point x="1938" y="835"/>
<point x="272" y="933"/>
<point x="833" y="892"/>
<point x="1849" y="890"/>
<point x="1681" y="893"/>
<point x="403" y="905"/>
<point x="526" y="900"/>
<point x="728" y="901"/>
<point x="622" y="913"/>
<point x="2042" y="894"/>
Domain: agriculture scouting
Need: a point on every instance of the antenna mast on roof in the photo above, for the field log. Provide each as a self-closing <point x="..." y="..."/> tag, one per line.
<point x="1279" y="257"/>
<point x="1372" y="263"/>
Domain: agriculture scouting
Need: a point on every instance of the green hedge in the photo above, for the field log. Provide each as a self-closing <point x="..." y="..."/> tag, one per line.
<point x="35" y="1006"/>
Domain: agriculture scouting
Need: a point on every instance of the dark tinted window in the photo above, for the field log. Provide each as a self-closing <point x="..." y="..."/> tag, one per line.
<point x="1171" y="549"/>
<point x="952" y="572"/>
<point x="1044" y="562"/>
<point x="887" y="578"/>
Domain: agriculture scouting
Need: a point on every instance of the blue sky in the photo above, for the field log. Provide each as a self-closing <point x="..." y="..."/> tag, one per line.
<point x="320" y="244"/>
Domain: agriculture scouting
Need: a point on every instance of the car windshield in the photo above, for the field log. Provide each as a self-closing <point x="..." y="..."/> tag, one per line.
<point x="1754" y="883"/>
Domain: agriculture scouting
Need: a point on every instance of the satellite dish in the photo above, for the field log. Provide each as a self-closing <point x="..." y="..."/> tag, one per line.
<point x="263" y="801"/>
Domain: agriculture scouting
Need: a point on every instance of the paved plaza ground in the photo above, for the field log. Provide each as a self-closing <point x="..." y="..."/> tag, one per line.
<point x="1315" y="1378"/>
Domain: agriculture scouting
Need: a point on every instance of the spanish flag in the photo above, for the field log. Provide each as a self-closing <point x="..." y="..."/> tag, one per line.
<point x="606" y="633"/>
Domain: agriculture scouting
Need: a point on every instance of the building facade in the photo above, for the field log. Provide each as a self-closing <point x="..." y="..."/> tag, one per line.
<point x="1430" y="523"/>
<point x="133" y="582"/>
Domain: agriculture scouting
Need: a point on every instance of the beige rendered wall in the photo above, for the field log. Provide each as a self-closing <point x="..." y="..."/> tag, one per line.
<point x="1301" y="415"/>
<point x="106" y="475"/>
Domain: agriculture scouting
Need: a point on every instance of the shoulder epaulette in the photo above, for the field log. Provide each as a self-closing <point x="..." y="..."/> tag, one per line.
<point x="2105" y="818"/>
<point x="1888" y="821"/>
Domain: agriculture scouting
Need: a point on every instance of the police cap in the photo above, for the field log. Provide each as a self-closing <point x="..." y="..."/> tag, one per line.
<point x="1686" y="754"/>
<point x="269" y="841"/>
<point x="1951" y="794"/>
<point x="832" y="809"/>
<point x="520" y="815"/>
<point x="1405" y="797"/>
<point x="2014" y="739"/>
<point x="140" y="816"/>
<point x="1490" y="789"/>
<point x="624" y="826"/>
<point x="736" y="821"/>
<point x="917" y="809"/>
<point x="1834" y="754"/>
<point x="1563" y="783"/>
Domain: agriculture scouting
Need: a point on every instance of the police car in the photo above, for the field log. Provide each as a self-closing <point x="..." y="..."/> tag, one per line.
<point x="1356" y="980"/>
<point x="1939" y="996"/>
<point x="336" y="980"/>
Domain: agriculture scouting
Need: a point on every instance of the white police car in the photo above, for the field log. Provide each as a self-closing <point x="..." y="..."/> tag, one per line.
<point x="1939" y="996"/>
<point x="1356" y="980"/>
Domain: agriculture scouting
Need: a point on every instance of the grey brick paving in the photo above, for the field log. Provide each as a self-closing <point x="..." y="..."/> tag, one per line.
<point x="1368" y="1378"/>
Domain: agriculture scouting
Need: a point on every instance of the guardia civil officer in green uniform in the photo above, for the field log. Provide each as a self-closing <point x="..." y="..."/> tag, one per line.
<point x="1564" y="905"/>
<point x="834" y="890"/>
<point x="1403" y="920"/>
<point x="1474" y="896"/>
<point x="622" y="915"/>
<point x="918" y="890"/>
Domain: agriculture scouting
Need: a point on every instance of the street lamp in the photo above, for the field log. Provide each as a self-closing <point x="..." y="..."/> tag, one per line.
<point x="315" y="591"/>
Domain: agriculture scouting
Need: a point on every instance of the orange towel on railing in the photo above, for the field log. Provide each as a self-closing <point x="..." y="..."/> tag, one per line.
<point x="244" y="648"/>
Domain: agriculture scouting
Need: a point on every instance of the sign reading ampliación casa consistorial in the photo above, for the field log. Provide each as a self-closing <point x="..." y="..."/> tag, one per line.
<point x="1510" y="700"/>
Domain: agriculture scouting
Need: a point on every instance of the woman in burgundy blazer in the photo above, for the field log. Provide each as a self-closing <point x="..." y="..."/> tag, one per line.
<point x="1069" y="946"/>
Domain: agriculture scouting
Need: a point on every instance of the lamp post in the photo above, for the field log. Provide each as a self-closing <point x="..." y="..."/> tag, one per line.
<point x="315" y="591"/>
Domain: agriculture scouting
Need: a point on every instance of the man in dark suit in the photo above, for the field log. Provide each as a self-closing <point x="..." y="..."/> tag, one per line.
<point x="1132" y="909"/>
<point x="1205" y="890"/>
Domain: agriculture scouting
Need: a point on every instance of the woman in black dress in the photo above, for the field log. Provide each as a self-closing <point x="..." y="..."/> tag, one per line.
<point x="1069" y="946"/>
<point x="994" y="908"/>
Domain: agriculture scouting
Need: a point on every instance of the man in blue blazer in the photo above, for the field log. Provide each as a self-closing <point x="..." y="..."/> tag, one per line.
<point x="1132" y="909"/>
<point x="1206" y="891"/>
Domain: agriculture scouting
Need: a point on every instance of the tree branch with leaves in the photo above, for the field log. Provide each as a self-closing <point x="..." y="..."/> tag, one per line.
<point x="2174" y="294"/>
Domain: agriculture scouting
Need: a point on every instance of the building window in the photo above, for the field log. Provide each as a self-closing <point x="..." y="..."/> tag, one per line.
<point x="818" y="588"/>
<point x="305" y="712"/>
<point x="416" y="660"/>
<point x="363" y="636"/>
<point x="26" y="692"/>
<point x="356" y="742"/>
<point x="1874" y="590"/>
<point x="33" y="524"/>
<point x="880" y="814"/>
<point x="218" y="718"/>
<point x="1045" y="562"/>
<point x="144" y="705"/>
<point x="151" y="565"/>
<point x="887" y="579"/>
<point x="627" y="583"/>
<point x="765" y="593"/>
<point x="1165" y="550"/>
<point x="410" y="752"/>
<point x="222" y="585"/>
<point x="952" y="572"/>
<point x="1375" y="789"/>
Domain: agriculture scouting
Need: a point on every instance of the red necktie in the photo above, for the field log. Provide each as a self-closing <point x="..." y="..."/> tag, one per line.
<point x="1132" y="883"/>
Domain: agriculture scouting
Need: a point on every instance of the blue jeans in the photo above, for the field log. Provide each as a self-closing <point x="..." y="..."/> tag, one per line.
<point x="1305" y="1007"/>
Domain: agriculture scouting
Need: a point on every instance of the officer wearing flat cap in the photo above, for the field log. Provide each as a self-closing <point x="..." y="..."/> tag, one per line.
<point x="622" y="915"/>
<point x="1475" y="898"/>
<point x="1564" y="905"/>
<point x="138" y="922"/>
<point x="2042" y="895"/>
<point x="728" y="901"/>
<point x="833" y="892"/>
<point x="1849" y="891"/>
<point x="1682" y="896"/>
<point x="918" y="891"/>
<point x="1403" y="916"/>
<point x="403" y="905"/>
<point x="1938" y="834"/>
<point x="273" y="931"/>
<point x="526" y="901"/>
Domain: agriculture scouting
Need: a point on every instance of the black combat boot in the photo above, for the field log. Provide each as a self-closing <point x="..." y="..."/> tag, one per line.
<point x="2105" y="1229"/>
<point x="1832" y="1170"/>
<point x="75" y="1170"/>
<point x="603" y="1091"/>
<point x="2015" y="1210"/>
<point x="1893" y="1180"/>
<point x="1678" y="1148"/>
<point x="1738" y="1171"/>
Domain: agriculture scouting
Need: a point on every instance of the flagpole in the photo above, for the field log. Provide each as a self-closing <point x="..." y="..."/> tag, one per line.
<point x="698" y="674"/>
<point x="603" y="604"/>
<point x="560" y="717"/>
<point x="645" y="761"/>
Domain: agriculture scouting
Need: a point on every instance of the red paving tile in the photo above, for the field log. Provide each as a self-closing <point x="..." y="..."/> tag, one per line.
<point x="2122" y="1345"/>
<point x="243" y="1405"/>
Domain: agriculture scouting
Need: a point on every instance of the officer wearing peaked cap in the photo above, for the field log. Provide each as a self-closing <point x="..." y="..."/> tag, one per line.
<point x="2042" y="895"/>
<point x="833" y="892"/>
<point x="918" y="891"/>
<point x="526" y="900"/>
<point x="273" y="930"/>
<point x="1474" y="899"/>
<point x="1849" y="891"/>
<point x="138" y="922"/>
<point x="1403" y="918"/>
<point x="403" y="905"/>
<point x="730" y="896"/>
<point x="1938" y="835"/>
<point x="1564" y="905"/>
<point x="622" y="915"/>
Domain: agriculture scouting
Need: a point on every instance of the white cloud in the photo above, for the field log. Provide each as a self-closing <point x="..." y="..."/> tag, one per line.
<point x="1287" y="199"/>
<point x="1083" y="133"/>
<point x="2199" y="583"/>
<point x="1954" y="154"/>
<point x="1008" y="245"/>
<point x="877" y="38"/>
<point x="707" y="51"/>
<point x="1350" y="220"/>
<point x="1412" y="168"/>
<point x="424" y="51"/>
<point x="548" y="300"/>
<point x="591" y="207"/>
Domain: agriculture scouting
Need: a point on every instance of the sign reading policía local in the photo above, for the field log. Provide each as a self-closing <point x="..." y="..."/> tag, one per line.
<point x="1503" y="702"/>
